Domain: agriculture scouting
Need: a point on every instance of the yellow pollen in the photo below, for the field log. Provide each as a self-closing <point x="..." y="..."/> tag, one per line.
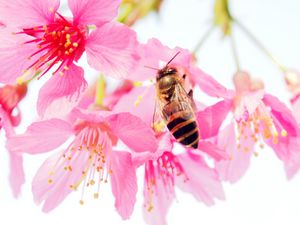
<point x="68" y="36"/>
<point x="284" y="133"/>
<point x="61" y="73"/>
<point x="275" y="140"/>
<point x="50" y="181"/>
<point x="67" y="68"/>
<point x="261" y="146"/>
<point x="138" y="101"/>
<point x="67" y="44"/>
<point x="267" y="133"/>
<point x="96" y="195"/>
<point x="81" y="202"/>
<point x="150" y="208"/>
<point x="92" y="182"/>
<point x="246" y="149"/>
<point x="159" y="126"/>
<point x="75" y="44"/>
<point x="70" y="168"/>
<point x="137" y="83"/>
<point x="255" y="154"/>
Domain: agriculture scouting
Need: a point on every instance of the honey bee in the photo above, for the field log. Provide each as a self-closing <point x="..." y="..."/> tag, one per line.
<point x="175" y="106"/>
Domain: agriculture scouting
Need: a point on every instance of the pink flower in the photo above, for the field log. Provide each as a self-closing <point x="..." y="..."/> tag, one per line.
<point x="91" y="157"/>
<point x="140" y="102"/>
<point x="38" y="38"/>
<point x="257" y="118"/>
<point x="164" y="170"/>
<point x="155" y="55"/>
<point x="10" y="96"/>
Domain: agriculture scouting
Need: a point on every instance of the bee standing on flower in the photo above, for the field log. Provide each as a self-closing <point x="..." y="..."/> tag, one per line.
<point x="176" y="105"/>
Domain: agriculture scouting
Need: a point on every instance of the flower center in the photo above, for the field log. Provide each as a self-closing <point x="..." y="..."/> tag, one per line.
<point x="258" y="126"/>
<point x="58" y="42"/>
<point x="88" y="158"/>
<point x="163" y="170"/>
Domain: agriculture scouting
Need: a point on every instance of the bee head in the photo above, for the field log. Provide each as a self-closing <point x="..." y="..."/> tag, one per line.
<point x="166" y="71"/>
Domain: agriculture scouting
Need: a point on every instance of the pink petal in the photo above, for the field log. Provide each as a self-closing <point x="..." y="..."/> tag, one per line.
<point x="161" y="199"/>
<point x="242" y="81"/>
<point x="287" y="148"/>
<point x="165" y="145"/>
<point x="124" y="183"/>
<point x="95" y="116"/>
<point x="212" y="150"/>
<point x="154" y="54"/>
<point x="201" y="181"/>
<point x="41" y="137"/>
<point x="52" y="182"/>
<point x="140" y="102"/>
<point x="6" y="123"/>
<point x="113" y="98"/>
<point x="111" y="50"/>
<point x="283" y="115"/>
<point x="27" y="13"/>
<point x="129" y="127"/>
<point x="296" y="107"/>
<point x="252" y="100"/>
<point x="61" y="93"/>
<point x="14" y="55"/>
<point x="212" y="117"/>
<point x="209" y="85"/>
<point x="236" y="166"/>
<point x="288" y="151"/>
<point x="96" y="12"/>
<point x="16" y="176"/>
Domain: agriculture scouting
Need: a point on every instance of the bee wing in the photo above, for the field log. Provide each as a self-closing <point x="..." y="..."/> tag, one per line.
<point x="180" y="102"/>
<point x="158" y="120"/>
<point x="182" y="95"/>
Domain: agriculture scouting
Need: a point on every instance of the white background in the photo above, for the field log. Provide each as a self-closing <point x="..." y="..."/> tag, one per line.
<point x="263" y="196"/>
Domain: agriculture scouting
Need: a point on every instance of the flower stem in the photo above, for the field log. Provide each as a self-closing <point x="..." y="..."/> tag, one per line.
<point x="251" y="36"/>
<point x="100" y="89"/>
<point x="234" y="52"/>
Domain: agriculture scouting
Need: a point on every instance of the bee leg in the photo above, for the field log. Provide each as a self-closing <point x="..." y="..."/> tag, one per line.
<point x="183" y="76"/>
<point x="190" y="94"/>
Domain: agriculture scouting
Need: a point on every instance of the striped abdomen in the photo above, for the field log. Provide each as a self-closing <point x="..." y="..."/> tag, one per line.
<point x="184" y="129"/>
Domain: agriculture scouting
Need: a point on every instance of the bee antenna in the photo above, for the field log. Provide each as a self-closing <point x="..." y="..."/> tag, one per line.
<point x="173" y="58"/>
<point x="149" y="67"/>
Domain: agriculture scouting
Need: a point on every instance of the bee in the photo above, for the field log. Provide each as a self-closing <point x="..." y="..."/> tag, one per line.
<point x="175" y="106"/>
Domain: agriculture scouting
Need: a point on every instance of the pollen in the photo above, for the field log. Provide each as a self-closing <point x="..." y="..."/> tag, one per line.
<point x="284" y="133"/>
<point x="57" y="43"/>
<point x="138" y="101"/>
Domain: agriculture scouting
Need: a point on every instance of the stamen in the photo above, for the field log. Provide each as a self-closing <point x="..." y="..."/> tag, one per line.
<point x="56" y="42"/>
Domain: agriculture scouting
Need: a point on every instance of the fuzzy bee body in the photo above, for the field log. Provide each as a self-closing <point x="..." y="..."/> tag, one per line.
<point x="176" y="107"/>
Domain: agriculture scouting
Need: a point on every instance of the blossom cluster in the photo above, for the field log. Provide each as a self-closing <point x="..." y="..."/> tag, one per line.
<point x="108" y="135"/>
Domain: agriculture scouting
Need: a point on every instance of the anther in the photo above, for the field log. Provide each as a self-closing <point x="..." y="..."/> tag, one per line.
<point x="284" y="133"/>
